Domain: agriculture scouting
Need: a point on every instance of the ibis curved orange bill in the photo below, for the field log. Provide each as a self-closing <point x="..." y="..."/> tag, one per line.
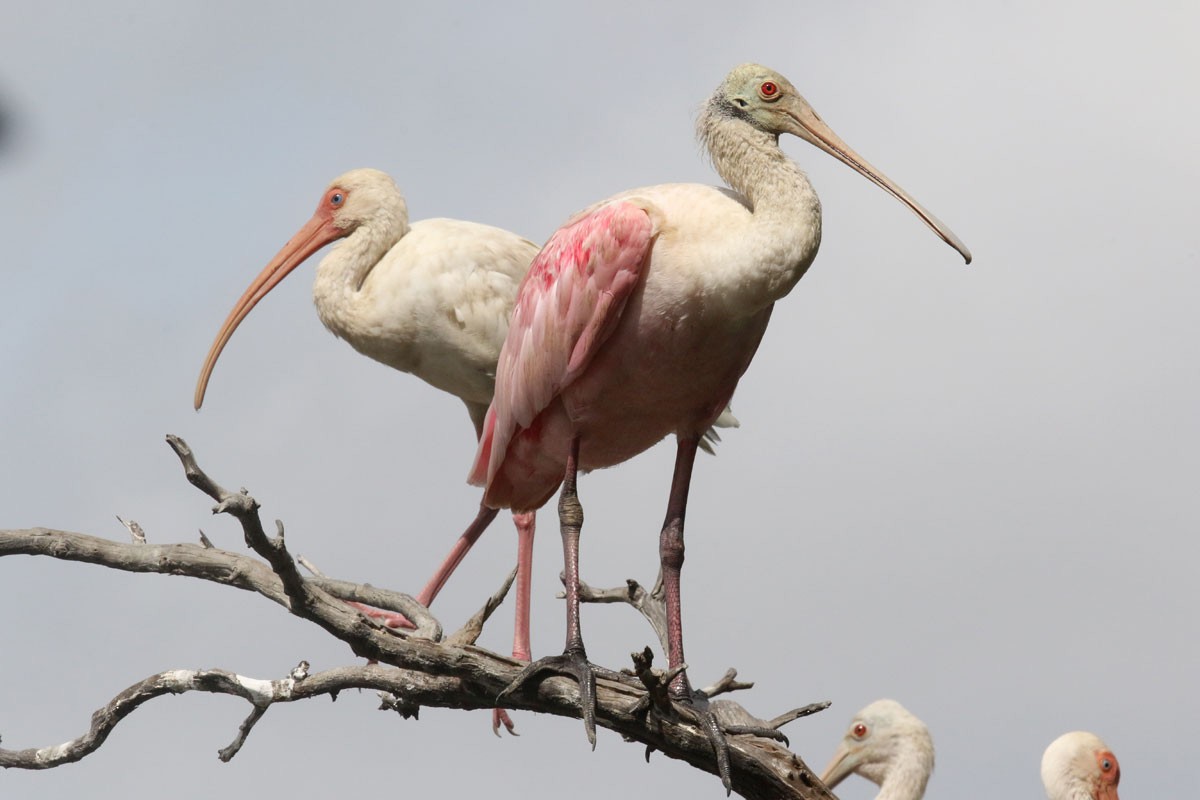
<point x="316" y="233"/>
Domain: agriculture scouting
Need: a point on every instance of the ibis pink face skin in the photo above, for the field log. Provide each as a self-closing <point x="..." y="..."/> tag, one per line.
<point x="1108" y="775"/>
<point x="1080" y="765"/>
<point x="316" y="233"/>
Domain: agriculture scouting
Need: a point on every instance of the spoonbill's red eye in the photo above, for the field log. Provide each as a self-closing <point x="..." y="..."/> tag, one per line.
<point x="768" y="90"/>
<point x="859" y="730"/>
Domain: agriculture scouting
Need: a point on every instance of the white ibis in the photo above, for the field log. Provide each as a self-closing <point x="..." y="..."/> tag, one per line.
<point x="1079" y="766"/>
<point x="637" y="320"/>
<point x="431" y="298"/>
<point x="887" y="745"/>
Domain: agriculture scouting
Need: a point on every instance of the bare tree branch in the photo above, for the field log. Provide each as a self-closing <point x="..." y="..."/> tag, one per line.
<point x="470" y="632"/>
<point x="427" y="626"/>
<point x="728" y="683"/>
<point x="227" y="753"/>
<point x="761" y="769"/>
<point x="381" y="605"/>
<point x="652" y="604"/>
<point x="308" y="565"/>
<point x="261" y="694"/>
<point x="653" y="607"/>
<point x="417" y="671"/>
<point x="135" y="530"/>
<point x="305" y="598"/>
<point x="304" y="601"/>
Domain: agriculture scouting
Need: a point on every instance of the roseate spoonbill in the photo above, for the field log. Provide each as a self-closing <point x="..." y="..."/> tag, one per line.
<point x="431" y="298"/>
<point x="1079" y="766"/>
<point x="636" y="321"/>
<point x="887" y="745"/>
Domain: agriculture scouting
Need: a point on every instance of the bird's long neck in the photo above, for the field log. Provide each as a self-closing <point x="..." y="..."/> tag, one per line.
<point x="341" y="274"/>
<point x="905" y="771"/>
<point x="785" y="227"/>
<point x="750" y="161"/>
<point x="906" y="780"/>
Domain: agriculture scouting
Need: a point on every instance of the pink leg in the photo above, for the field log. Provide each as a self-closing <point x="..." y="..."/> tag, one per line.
<point x="461" y="547"/>
<point x="670" y="551"/>
<point x="573" y="662"/>
<point x="521" y="646"/>
<point x="525" y="527"/>
<point x="525" y="523"/>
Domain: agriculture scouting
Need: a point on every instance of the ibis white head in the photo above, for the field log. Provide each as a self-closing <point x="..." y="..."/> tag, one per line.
<point x="361" y="198"/>
<point x="888" y="745"/>
<point x="1079" y="766"/>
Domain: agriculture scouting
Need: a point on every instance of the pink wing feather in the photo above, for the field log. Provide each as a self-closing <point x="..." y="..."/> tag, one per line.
<point x="568" y="304"/>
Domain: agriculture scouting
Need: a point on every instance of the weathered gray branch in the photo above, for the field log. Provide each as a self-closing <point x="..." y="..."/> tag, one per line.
<point x="652" y="604"/>
<point x="421" y="671"/>
<point x="261" y="694"/>
<point x="472" y="628"/>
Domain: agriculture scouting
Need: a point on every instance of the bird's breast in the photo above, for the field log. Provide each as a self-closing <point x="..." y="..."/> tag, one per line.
<point x="664" y="371"/>
<point x="713" y="250"/>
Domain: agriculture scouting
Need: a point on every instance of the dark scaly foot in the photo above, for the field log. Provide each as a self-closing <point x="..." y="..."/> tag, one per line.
<point x="710" y="719"/>
<point x="573" y="664"/>
<point x="719" y="726"/>
<point x="670" y="695"/>
<point x="696" y="706"/>
<point x="721" y="719"/>
<point x="737" y="721"/>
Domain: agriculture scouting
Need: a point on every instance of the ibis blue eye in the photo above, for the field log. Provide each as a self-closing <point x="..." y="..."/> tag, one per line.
<point x="336" y="198"/>
<point x="1106" y="765"/>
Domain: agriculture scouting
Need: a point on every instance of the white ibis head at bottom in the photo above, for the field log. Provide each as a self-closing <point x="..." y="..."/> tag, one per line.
<point x="887" y="745"/>
<point x="1080" y="766"/>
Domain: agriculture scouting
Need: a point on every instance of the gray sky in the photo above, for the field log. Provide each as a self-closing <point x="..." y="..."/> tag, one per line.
<point x="968" y="488"/>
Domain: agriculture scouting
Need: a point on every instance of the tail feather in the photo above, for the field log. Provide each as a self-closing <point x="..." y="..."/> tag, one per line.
<point x="710" y="439"/>
<point x="483" y="456"/>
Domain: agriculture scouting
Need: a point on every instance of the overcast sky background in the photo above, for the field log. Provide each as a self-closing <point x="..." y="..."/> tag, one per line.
<point x="972" y="489"/>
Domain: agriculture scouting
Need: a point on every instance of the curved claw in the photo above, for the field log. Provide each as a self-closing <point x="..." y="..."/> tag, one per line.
<point x="720" y="745"/>
<point x="717" y="732"/>
<point x="697" y="707"/>
<point x="573" y="665"/>
<point x="501" y="717"/>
